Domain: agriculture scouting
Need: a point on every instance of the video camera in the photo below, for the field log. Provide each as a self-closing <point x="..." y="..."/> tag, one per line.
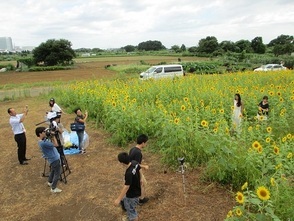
<point x="181" y="160"/>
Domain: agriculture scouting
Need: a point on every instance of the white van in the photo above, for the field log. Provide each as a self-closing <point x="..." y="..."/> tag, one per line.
<point x="163" y="71"/>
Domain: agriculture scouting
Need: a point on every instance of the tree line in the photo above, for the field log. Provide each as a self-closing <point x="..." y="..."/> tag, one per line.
<point x="59" y="52"/>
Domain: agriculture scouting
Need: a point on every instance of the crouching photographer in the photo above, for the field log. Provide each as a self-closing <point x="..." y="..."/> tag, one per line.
<point x="49" y="151"/>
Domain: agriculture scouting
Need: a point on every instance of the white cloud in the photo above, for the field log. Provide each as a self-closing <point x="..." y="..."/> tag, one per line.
<point x="116" y="23"/>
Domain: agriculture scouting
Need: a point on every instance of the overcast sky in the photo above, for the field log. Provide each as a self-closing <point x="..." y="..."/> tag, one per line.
<point x="117" y="23"/>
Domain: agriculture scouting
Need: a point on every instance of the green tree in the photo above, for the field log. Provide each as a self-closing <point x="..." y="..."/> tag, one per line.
<point x="283" y="44"/>
<point x="129" y="48"/>
<point x="151" y="46"/>
<point x="192" y="49"/>
<point x="208" y="44"/>
<point x="183" y="47"/>
<point x="258" y="46"/>
<point x="243" y="45"/>
<point x="175" y="48"/>
<point x="54" y="52"/>
<point x="228" y="46"/>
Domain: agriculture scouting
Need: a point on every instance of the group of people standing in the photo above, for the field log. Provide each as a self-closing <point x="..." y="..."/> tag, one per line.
<point x="51" y="148"/>
<point x="238" y="111"/>
<point x="133" y="191"/>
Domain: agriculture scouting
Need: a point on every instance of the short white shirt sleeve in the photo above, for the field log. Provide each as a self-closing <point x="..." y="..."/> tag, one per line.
<point x="17" y="126"/>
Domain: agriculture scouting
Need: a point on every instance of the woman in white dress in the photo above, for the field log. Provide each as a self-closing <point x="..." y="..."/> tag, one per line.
<point x="237" y="111"/>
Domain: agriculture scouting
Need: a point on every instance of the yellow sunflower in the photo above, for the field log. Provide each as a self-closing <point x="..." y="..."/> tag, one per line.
<point x="176" y="120"/>
<point x="263" y="193"/>
<point x="273" y="182"/>
<point x="256" y="145"/>
<point x="222" y="111"/>
<point x="289" y="136"/>
<point x="239" y="212"/>
<point x="240" y="197"/>
<point x="183" y="107"/>
<point x="204" y="123"/>
<point x="269" y="129"/>
<point x="289" y="155"/>
<point x="245" y="185"/>
<point x="259" y="149"/>
<point x="230" y="214"/>
<point x="276" y="150"/>
<point x="268" y="140"/>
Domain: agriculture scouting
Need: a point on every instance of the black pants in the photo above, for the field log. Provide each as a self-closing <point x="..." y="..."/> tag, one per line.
<point x="22" y="146"/>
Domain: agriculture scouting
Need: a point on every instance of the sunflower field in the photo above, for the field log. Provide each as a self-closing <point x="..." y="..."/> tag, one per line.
<point x="191" y="117"/>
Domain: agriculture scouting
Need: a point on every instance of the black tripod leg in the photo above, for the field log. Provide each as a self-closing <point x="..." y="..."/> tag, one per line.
<point x="45" y="164"/>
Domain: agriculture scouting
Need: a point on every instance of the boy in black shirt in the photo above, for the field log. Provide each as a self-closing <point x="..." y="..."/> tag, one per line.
<point x="136" y="154"/>
<point x="132" y="189"/>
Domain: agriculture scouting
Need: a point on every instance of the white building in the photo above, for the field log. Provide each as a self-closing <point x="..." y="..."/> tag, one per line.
<point x="6" y="44"/>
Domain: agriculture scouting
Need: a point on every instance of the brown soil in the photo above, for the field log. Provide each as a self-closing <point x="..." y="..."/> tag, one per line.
<point x="96" y="177"/>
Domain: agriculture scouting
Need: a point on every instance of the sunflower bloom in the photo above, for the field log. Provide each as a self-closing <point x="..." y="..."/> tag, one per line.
<point x="239" y="212"/>
<point x="259" y="150"/>
<point x="289" y="155"/>
<point x="256" y="145"/>
<point x="245" y="185"/>
<point x="273" y="182"/>
<point x="289" y="136"/>
<point x="240" y="197"/>
<point x="276" y="150"/>
<point x="222" y="111"/>
<point x="204" y="123"/>
<point x="230" y="214"/>
<point x="269" y="129"/>
<point x="263" y="193"/>
<point x="176" y="120"/>
<point x="279" y="166"/>
<point x="183" y="108"/>
<point x="268" y="140"/>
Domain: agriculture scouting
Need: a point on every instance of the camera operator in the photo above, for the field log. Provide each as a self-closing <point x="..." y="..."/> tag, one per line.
<point x="56" y="129"/>
<point x="49" y="151"/>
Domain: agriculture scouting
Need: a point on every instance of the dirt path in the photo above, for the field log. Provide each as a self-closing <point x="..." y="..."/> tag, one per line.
<point x="95" y="181"/>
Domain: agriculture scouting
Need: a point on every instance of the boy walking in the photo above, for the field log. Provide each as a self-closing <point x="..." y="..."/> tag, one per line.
<point x="131" y="190"/>
<point x="136" y="154"/>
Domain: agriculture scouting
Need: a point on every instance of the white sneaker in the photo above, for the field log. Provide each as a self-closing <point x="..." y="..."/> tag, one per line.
<point x="124" y="218"/>
<point x="56" y="190"/>
<point x="49" y="184"/>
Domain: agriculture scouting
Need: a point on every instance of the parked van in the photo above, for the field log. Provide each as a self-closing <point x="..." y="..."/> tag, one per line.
<point x="163" y="71"/>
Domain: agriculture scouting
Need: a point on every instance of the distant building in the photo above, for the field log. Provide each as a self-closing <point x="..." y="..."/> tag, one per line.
<point x="6" y="44"/>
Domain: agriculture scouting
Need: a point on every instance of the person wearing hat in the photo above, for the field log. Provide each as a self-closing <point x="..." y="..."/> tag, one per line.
<point x="54" y="106"/>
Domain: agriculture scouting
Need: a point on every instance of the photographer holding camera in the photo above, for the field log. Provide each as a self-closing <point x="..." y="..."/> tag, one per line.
<point x="47" y="145"/>
<point x="16" y="122"/>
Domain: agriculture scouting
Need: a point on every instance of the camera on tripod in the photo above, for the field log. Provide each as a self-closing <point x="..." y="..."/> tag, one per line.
<point x="181" y="160"/>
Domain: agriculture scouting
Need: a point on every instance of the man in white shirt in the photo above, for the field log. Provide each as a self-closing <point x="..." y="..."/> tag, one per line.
<point x="16" y="122"/>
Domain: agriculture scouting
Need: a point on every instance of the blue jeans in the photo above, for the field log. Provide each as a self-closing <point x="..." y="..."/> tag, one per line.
<point x="130" y="205"/>
<point x="80" y="138"/>
<point x="54" y="175"/>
